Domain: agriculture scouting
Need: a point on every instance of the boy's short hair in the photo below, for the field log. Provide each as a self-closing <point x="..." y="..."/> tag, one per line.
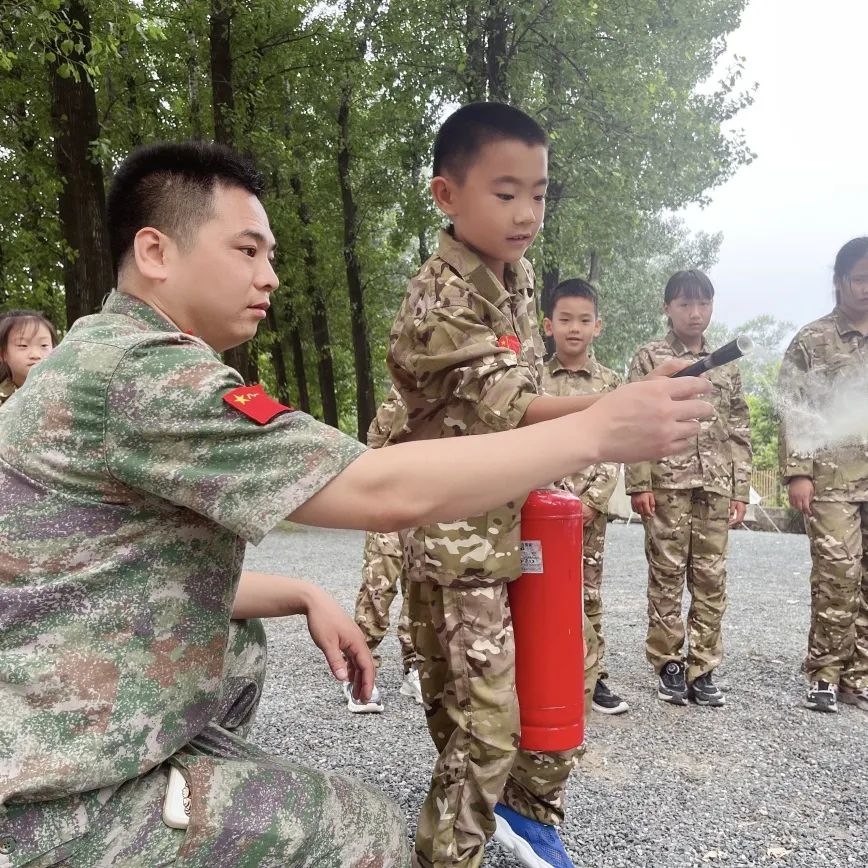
<point x="689" y="284"/>
<point x="170" y="186"/>
<point x="465" y="132"/>
<point x="575" y="287"/>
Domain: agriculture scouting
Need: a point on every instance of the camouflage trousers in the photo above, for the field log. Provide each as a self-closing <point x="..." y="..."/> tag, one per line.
<point x="248" y="809"/>
<point x="838" y="638"/>
<point x="686" y="537"/>
<point x="382" y="573"/>
<point x="593" y="542"/>
<point x="466" y="658"/>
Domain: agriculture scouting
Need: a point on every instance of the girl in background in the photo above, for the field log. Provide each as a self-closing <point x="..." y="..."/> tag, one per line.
<point x="26" y="338"/>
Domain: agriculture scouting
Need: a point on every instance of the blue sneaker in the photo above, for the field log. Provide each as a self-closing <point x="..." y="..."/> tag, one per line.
<point x="534" y="844"/>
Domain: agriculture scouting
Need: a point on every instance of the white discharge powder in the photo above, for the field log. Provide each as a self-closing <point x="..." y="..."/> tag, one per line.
<point x="825" y="412"/>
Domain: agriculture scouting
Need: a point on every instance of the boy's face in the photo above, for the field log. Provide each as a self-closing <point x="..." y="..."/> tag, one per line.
<point x="26" y="347"/>
<point x="690" y="316"/>
<point x="499" y="207"/>
<point x="220" y="287"/>
<point x="574" y="324"/>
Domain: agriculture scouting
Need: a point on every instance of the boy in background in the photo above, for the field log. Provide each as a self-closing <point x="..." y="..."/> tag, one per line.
<point x="572" y="319"/>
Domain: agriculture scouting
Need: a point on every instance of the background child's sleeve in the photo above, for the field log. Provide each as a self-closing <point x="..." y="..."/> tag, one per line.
<point x="637" y="477"/>
<point x="739" y="438"/>
<point x="791" y="378"/>
<point x="454" y="360"/>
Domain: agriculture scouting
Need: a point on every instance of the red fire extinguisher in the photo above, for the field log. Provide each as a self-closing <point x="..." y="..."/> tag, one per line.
<point x="546" y="604"/>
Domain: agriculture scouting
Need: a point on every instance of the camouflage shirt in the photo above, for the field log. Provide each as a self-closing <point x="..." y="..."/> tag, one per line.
<point x="596" y="483"/>
<point x="128" y="488"/>
<point x="7" y="387"/>
<point x="827" y="357"/>
<point x="388" y="424"/>
<point x="466" y="357"/>
<point x="720" y="460"/>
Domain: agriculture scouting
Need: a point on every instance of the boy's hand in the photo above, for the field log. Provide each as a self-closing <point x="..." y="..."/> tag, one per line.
<point x="737" y="511"/>
<point x="801" y="492"/>
<point x="644" y="503"/>
<point x="341" y="641"/>
<point x="650" y="419"/>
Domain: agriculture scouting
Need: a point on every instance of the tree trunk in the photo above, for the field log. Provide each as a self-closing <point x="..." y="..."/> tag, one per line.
<point x="277" y="359"/>
<point x="319" y="316"/>
<point x="242" y="358"/>
<point x="193" y="89"/>
<point x="365" y="401"/>
<point x="594" y="267"/>
<point x="474" y="63"/>
<point x="497" y="29"/>
<point x="88" y="274"/>
<point x="298" y="365"/>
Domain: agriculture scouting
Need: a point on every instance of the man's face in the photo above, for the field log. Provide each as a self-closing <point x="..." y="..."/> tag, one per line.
<point x="853" y="290"/>
<point x="499" y="207"/>
<point x="690" y="316"/>
<point x="219" y="289"/>
<point x="574" y="324"/>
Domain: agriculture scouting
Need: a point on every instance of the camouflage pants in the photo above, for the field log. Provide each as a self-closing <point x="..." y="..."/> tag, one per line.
<point x="466" y="659"/>
<point x="382" y="573"/>
<point x="248" y="809"/>
<point x="593" y="542"/>
<point x="838" y="638"/>
<point x="687" y="536"/>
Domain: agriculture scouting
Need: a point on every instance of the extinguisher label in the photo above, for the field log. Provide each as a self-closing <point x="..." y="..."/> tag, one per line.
<point x="531" y="556"/>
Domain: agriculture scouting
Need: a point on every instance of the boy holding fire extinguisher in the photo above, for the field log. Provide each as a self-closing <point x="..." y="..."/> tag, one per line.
<point x="466" y="357"/>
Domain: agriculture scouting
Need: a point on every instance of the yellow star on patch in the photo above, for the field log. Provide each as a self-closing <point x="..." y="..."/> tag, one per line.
<point x="242" y="399"/>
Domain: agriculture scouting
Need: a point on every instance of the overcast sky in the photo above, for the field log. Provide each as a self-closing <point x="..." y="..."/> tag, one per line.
<point x="785" y="215"/>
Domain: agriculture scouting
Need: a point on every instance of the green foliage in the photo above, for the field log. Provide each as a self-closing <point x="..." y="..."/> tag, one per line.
<point x="623" y="88"/>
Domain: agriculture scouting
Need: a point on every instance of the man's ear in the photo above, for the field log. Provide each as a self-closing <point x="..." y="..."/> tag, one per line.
<point x="151" y="249"/>
<point x="547" y="327"/>
<point x="443" y="190"/>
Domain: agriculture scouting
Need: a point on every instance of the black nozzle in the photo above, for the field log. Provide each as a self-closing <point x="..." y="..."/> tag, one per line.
<point x="727" y="353"/>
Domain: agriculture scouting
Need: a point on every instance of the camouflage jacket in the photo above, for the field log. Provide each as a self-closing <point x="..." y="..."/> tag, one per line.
<point x="466" y="356"/>
<point x="7" y="387"/>
<point x="128" y="488"/>
<point x="827" y="358"/>
<point x="388" y="424"/>
<point x="596" y="483"/>
<point x="720" y="460"/>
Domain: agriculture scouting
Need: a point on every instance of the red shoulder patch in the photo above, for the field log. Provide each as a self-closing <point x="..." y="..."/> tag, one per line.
<point x="510" y="342"/>
<point x="255" y="404"/>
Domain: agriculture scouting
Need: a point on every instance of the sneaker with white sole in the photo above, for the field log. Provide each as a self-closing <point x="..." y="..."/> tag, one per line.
<point x="373" y="706"/>
<point x="822" y="696"/>
<point x="534" y="844"/>
<point x="410" y="686"/>
<point x="607" y="702"/>
<point x="857" y="696"/>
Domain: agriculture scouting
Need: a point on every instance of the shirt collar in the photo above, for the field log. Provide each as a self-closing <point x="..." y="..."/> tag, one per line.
<point x="555" y="366"/>
<point x="843" y="324"/>
<point x="128" y="305"/>
<point x="7" y="387"/>
<point x="468" y="264"/>
<point x="678" y="347"/>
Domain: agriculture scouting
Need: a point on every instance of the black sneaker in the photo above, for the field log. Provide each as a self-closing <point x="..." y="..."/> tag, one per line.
<point x="703" y="691"/>
<point x="672" y="686"/>
<point x="607" y="702"/>
<point x="822" y="696"/>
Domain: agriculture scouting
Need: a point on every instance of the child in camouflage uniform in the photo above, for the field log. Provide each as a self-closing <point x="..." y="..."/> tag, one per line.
<point x="26" y="338"/>
<point x="383" y="574"/>
<point x="572" y="320"/>
<point x="830" y="487"/>
<point x="688" y="502"/>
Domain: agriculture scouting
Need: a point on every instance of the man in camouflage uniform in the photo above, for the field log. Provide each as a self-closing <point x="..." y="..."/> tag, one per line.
<point x="694" y="498"/>
<point x="572" y="320"/>
<point x="829" y="484"/>
<point x="383" y="573"/>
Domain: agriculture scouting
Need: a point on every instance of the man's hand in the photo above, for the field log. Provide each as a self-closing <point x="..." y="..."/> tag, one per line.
<point x="588" y="513"/>
<point x="644" y="503"/>
<point x="650" y="419"/>
<point x="336" y="634"/>
<point x="801" y="492"/>
<point x="737" y="509"/>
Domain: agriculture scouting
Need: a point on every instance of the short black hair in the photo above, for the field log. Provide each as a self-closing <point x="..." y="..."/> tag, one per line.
<point x="575" y="287"/>
<point x="465" y="132"/>
<point x="170" y="186"/>
<point x="691" y="283"/>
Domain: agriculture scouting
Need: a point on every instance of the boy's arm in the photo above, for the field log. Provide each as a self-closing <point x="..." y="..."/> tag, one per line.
<point x="739" y="437"/>
<point x="637" y="476"/>
<point x="429" y="481"/>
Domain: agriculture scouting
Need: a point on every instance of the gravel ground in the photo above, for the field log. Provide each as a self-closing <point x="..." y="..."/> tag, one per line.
<point x="759" y="782"/>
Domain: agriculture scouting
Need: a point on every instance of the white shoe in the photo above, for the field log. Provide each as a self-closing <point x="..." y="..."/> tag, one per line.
<point x="411" y="687"/>
<point x="373" y="706"/>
